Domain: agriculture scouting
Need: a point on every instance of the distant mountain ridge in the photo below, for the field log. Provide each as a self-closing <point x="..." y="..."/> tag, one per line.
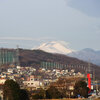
<point x="35" y="57"/>
<point x="61" y="47"/>
<point x="88" y="55"/>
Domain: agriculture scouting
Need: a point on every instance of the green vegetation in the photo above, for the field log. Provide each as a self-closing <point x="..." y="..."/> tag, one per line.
<point x="53" y="93"/>
<point x="50" y="93"/>
<point x="24" y="95"/>
<point x="81" y="89"/>
<point x="12" y="91"/>
<point x="40" y="95"/>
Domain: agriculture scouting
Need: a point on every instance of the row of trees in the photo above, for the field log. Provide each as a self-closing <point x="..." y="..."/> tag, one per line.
<point x="80" y="88"/>
<point x="12" y="91"/>
<point x="50" y="93"/>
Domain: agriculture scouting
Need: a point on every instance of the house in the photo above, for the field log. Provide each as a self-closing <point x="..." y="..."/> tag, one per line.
<point x="2" y="81"/>
<point x="33" y="82"/>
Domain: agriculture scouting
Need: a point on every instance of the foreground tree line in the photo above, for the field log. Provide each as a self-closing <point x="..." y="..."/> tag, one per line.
<point x="80" y="88"/>
<point x="12" y="91"/>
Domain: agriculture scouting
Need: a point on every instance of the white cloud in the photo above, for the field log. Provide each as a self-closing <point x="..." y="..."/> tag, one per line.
<point x="25" y="38"/>
<point x="3" y="42"/>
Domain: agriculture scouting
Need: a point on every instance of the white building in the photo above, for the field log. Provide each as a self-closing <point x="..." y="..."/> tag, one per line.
<point x="2" y="81"/>
<point x="10" y="70"/>
<point x="32" y="82"/>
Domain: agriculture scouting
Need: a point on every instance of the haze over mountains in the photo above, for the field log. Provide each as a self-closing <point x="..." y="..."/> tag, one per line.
<point x="61" y="47"/>
<point x="87" y="54"/>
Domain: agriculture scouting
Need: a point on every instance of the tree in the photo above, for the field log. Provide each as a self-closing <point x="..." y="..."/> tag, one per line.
<point x="12" y="91"/>
<point x="81" y="89"/>
<point x="40" y="95"/>
<point x="24" y="94"/>
<point x="53" y="93"/>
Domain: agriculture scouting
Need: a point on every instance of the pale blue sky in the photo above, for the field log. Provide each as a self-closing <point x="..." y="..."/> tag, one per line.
<point x="27" y="23"/>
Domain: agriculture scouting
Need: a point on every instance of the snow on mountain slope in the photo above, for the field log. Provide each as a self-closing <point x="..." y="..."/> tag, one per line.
<point x="55" y="47"/>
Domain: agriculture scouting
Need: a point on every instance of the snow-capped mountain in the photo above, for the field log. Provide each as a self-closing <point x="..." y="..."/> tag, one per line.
<point x="55" y="47"/>
<point x="88" y="55"/>
<point x="61" y="47"/>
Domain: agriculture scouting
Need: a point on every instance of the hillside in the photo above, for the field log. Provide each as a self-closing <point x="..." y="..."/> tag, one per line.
<point x="35" y="57"/>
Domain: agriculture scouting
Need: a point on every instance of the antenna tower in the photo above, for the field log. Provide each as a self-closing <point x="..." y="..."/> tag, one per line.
<point x="17" y="55"/>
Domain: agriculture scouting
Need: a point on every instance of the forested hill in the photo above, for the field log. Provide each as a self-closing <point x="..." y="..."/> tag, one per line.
<point x="35" y="57"/>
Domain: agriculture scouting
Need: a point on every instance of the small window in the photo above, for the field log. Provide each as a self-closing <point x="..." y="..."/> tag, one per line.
<point x="31" y="79"/>
<point x="28" y="83"/>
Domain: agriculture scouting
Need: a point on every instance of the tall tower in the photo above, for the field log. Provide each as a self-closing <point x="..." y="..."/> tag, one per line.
<point x="89" y="67"/>
<point x="0" y="57"/>
<point x="17" y="56"/>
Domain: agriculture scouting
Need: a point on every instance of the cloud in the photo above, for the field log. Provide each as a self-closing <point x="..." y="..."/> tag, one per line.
<point x="3" y="42"/>
<point x="23" y="42"/>
<point x="15" y="38"/>
<point x="25" y="38"/>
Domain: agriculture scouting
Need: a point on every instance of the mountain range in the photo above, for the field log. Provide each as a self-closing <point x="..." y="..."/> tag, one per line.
<point x="36" y="57"/>
<point x="88" y="55"/>
<point x="61" y="47"/>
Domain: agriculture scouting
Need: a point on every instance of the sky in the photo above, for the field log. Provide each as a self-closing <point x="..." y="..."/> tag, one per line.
<point x="28" y="23"/>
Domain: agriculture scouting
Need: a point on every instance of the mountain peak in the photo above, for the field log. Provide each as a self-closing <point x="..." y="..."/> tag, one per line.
<point x="87" y="54"/>
<point x="55" y="47"/>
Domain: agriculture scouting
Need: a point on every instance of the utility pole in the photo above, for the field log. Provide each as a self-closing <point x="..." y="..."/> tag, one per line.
<point x="96" y="87"/>
<point x="0" y="58"/>
<point x="89" y="67"/>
